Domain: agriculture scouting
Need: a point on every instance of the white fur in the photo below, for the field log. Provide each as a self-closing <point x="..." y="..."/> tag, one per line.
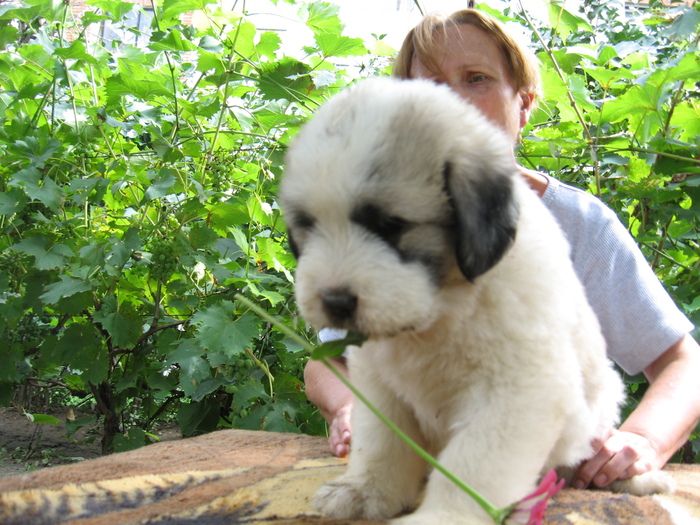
<point x="501" y="378"/>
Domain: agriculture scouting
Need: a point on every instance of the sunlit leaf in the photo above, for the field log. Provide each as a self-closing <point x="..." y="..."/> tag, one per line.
<point x="121" y="85"/>
<point x="76" y="51"/>
<point x="564" y="21"/>
<point x="321" y="17"/>
<point x="333" y="45"/>
<point x="287" y="79"/>
<point x="116" y="8"/>
<point x="173" y="41"/>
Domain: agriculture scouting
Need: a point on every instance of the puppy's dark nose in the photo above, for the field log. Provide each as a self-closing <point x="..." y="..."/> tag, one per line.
<point x="339" y="304"/>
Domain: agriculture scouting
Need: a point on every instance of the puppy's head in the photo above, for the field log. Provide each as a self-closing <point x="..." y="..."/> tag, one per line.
<point x="389" y="188"/>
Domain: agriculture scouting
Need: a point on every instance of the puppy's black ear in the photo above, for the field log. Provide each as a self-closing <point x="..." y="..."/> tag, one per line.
<point x="486" y="218"/>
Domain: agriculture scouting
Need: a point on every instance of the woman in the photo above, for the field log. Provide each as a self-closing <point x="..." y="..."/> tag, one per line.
<point x="473" y="54"/>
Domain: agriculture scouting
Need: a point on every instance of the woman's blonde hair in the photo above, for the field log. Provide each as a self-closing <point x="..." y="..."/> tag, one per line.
<point x="424" y="41"/>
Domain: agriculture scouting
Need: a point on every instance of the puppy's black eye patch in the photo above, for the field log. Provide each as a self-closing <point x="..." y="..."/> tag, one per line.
<point x="387" y="227"/>
<point x="298" y="223"/>
<point x="304" y="221"/>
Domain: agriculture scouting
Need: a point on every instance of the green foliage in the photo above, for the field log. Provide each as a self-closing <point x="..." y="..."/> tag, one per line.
<point x="137" y="197"/>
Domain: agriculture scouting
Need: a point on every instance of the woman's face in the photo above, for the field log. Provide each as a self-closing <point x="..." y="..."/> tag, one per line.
<point x="471" y="64"/>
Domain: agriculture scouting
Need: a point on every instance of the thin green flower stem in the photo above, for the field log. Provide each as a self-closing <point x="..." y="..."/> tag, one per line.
<point x="496" y="514"/>
<point x="44" y="99"/>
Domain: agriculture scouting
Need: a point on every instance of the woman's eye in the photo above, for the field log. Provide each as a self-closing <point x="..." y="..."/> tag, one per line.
<point x="475" y="78"/>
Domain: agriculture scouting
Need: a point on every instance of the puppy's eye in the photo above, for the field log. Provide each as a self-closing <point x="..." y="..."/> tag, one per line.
<point x="387" y="227"/>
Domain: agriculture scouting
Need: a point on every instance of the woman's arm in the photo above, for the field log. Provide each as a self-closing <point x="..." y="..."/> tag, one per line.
<point x="662" y="422"/>
<point x="333" y="399"/>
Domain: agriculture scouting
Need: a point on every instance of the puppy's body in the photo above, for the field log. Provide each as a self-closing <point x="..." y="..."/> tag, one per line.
<point x="411" y="225"/>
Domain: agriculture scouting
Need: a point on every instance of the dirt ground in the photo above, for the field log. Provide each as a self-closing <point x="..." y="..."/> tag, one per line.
<point x="26" y="446"/>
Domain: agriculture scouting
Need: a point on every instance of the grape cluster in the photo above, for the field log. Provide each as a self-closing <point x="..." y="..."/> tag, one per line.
<point x="219" y="169"/>
<point x="164" y="258"/>
<point x="86" y="151"/>
<point x="85" y="157"/>
<point x="30" y="330"/>
<point x="242" y="366"/>
<point x="11" y="267"/>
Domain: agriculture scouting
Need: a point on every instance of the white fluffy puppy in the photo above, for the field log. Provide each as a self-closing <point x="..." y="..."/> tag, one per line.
<point x="411" y="225"/>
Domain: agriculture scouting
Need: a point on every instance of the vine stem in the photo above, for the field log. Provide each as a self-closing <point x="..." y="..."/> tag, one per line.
<point x="262" y="365"/>
<point x="676" y="98"/>
<point x="176" y="110"/>
<point x="558" y="70"/>
<point x="497" y="515"/>
<point x="224" y="98"/>
<point x="572" y="100"/>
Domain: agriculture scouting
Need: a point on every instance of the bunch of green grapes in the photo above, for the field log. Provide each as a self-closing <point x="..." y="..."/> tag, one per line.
<point x="86" y="151"/>
<point x="85" y="157"/>
<point x="219" y="169"/>
<point x="164" y="258"/>
<point x="242" y="365"/>
<point x="30" y="330"/>
<point x="11" y="267"/>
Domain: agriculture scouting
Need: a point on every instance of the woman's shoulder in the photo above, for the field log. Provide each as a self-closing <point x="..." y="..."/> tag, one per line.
<point x="580" y="214"/>
<point x="638" y="317"/>
<point x="561" y="196"/>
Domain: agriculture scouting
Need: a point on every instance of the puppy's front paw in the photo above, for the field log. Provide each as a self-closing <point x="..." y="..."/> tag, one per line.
<point x="356" y="498"/>
<point x="653" y="482"/>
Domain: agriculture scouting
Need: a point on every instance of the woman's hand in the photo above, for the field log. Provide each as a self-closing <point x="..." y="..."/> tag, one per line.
<point x="658" y="427"/>
<point x="620" y="456"/>
<point x="339" y="432"/>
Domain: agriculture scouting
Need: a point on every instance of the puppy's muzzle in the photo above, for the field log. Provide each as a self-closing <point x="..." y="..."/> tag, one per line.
<point x="340" y="305"/>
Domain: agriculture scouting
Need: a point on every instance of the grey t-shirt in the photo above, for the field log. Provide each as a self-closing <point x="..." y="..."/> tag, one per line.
<point x="639" y="319"/>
